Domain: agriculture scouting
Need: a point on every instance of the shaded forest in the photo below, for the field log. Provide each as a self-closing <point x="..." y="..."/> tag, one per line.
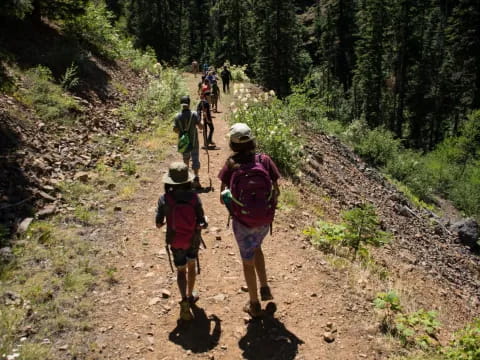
<point x="412" y="67"/>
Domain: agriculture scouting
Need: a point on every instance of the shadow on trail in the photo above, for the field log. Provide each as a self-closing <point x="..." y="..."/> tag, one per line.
<point x="268" y="338"/>
<point x="198" y="334"/>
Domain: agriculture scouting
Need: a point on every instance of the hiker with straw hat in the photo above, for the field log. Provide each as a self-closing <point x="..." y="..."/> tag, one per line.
<point x="181" y="209"/>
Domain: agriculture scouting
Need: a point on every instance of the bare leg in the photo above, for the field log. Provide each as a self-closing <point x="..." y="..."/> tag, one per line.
<point x="182" y="281"/>
<point x="260" y="266"/>
<point x="191" y="277"/>
<point x="251" y="279"/>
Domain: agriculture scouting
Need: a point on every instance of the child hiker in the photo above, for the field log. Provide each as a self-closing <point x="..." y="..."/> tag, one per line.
<point x="251" y="199"/>
<point x="182" y="209"/>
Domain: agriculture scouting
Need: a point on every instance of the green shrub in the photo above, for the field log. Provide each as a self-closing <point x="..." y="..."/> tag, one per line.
<point x="238" y="72"/>
<point x="378" y="147"/>
<point x="139" y="60"/>
<point x="312" y="112"/>
<point x="389" y="304"/>
<point x="47" y="98"/>
<point x="465" y="192"/>
<point x="362" y="228"/>
<point x="466" y="345"/>
<point x="274" y="125"/>
<point x="95" y="27"/>
<point x="70" y="79"/>
<point x="129" y="167"/>
<point x="419" y="328"/>
<point x="326" y="236"/>
<point x="158" y="101"/>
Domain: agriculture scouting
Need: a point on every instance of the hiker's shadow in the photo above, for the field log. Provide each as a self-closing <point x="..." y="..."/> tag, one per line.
<point x="199" y="335"/>
<point x="268" y="338"/>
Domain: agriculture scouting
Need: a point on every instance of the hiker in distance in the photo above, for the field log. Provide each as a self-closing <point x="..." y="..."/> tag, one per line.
<point x="204" y="113"/>
<point x="226" y="76"/>
<point x="185" y="125"/>
<point x="182" y="209"/>
<point x="250" y="192"/>
<point x="195" y="68"/>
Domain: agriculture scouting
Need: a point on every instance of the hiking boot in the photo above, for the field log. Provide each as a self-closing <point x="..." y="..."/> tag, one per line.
<point x="196" y="183"/>
<point x="185" y="313"/>
<point x="265" y="293"/>
<point x="253" y="309"/>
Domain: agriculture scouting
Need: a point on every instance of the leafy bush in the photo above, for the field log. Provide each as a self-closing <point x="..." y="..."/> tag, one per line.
<point x="70" y="79"/>
<point x="238" y="72"/>
<point x="159" y="100"/>
<point x="326" y="236"/>
<point x="274" y="126"/>
<point x="312" y="112"/>
<point x="466" y="345"/>
<point x="48" y="99"/>
<point x="419" y="328"/>
<point x="360" y="227"/>
<point x="129" y="167"/>
<point x="465" y="192"/>
<point x="95" y="27"/>
<point x="389" y="304"/>
<point x="139" y="60"/>
<point x="378" y="147"/>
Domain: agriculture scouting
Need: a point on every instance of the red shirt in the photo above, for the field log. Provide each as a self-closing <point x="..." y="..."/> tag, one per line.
<point x="206" y="90"/>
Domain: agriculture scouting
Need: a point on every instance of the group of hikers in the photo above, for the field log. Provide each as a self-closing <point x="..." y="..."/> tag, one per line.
<point x="249" y="191"/>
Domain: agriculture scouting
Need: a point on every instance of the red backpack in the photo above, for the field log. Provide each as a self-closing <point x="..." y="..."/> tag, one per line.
<point x="253" y="201"/>
<point x="182" y="220"/>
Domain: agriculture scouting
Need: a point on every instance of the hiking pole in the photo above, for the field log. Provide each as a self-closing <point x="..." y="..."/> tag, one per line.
<point x="205" y="119"/>
<point x="169" y="257"/>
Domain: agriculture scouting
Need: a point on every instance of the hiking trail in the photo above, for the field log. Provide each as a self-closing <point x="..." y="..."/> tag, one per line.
<point x="136" y="318"/>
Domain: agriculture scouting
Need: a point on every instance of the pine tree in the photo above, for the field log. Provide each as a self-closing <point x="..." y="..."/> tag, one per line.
<point x="277" y="45"/>
<point x="232" y="31"/>
<point x="463" y="41"/>
<point x="15" y="8"/>
<point x="369" y="78"/>
<point x="336" y="27"/>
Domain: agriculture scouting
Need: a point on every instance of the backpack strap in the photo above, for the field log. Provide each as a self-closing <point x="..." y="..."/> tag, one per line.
<point x="188" y="124"/>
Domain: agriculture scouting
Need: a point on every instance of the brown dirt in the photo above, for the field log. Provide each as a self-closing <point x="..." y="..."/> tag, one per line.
<point x="311" y="290"/>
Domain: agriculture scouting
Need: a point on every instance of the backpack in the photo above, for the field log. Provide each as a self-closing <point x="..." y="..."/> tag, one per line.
<point x="182" y="221"/>
<point x="185" y="144"/>
<point x="253" y="203"/>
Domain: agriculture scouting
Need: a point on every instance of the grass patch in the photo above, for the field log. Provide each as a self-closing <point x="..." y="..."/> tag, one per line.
<point x="48" y="99"/>
<point x="48" y="285"/>
<point x="289" y="199"/>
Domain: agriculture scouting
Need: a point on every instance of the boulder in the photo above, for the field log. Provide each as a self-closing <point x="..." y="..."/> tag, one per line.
<point x="468" y="231"/>
<point x="6" y="255"/>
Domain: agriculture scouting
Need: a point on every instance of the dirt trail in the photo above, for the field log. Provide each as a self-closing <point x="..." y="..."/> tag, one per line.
<point x="134" y="320"/>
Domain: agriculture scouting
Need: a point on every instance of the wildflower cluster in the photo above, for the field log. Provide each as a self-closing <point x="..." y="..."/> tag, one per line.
<point x="272" y="123"/>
